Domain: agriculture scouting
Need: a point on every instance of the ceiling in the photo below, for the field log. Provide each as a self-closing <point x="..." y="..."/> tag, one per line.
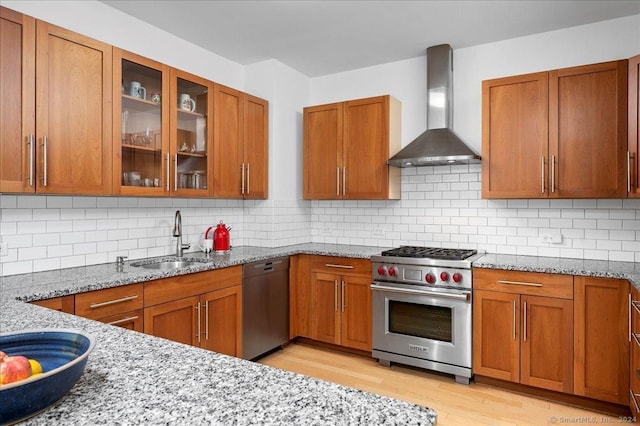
<point x="325" y="37"/>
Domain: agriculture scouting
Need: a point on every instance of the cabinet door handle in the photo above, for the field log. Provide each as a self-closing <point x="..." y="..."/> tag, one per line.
<point x="248" y="179"/>
<point x="168" y="172"/>
<point x="335" y="295"/>
<point x="542" y="173"/>
<point x="513" y="321"/>
<point x="242" y="178"/>
<point x="344" y="181"/>
<point x="524" y="328"/>
<point x="630" y="304"/>
<point x="337" y="180"/>
<point x="32" y="150"/>
<point x="197" y="307"/>
<point x="206" y="320"/>
<point x="334" y="265"/>
<point x="343" y="301"/>
<point x="44" y="160"/>
<point x="123" y="320"/>
<point x="553" y="174"/>
<point x="519" y="283"/>
<point x="113" y="302"/>
<point x="175" y="174"/>
<point x="628" y="171"/>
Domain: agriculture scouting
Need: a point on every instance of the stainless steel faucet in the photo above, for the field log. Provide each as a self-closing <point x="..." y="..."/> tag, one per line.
<point x="177" y="232"/>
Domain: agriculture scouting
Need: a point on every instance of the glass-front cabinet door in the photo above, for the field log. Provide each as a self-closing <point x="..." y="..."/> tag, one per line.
<point x="191" y="134"/>
<point x="141" y="125"/>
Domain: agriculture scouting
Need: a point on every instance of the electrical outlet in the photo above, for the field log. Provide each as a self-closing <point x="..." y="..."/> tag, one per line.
<point x="551" y="237"/>
<point x="378" y="232"/>
<point x="4" y="249"/>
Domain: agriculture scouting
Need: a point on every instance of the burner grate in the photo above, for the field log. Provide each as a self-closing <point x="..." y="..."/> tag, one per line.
<point x="430" y="253"/>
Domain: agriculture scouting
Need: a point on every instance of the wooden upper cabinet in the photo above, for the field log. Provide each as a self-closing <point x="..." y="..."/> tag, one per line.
<point x="73" y="112"/>
<point x="346" y="148"/>
<point x="556" y="134"/>
<point x="240" y="145"/>
<point x="140" y="125"/>
<point x="322" y="151"/>
<point x="588" y="131"/>
<point x="515" y="136"/>
<point x="17" y="103"/>
<point x="191" y="130"/>
<point x="256" y="147"/>
<point x="633" y="128"/>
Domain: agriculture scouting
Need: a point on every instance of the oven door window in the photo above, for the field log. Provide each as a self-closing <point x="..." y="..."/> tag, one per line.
<point x="426" y="321"/>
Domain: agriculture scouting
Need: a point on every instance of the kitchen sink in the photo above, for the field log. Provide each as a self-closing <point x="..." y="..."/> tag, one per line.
<point x="167" y="265"/>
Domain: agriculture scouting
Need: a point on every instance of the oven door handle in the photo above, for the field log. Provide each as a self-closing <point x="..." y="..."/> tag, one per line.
<point x="463" y="297"/>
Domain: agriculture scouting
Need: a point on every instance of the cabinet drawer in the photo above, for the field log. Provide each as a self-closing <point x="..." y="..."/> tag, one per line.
<point x="168" y="289"/>
<point x="130" y="320"/>
<point x="533" y="283"/>
<point x="62" y="304"/>
<point x="110" y="301"/>
<point x="341" y="265"/>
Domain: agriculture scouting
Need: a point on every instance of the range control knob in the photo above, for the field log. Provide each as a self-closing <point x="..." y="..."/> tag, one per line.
<point x="382" y="270"/>
<point x="457" y="277"/>
<point x="430" y="278"/>
<point x="444" y="276"/>
<point x="393" y="271"/>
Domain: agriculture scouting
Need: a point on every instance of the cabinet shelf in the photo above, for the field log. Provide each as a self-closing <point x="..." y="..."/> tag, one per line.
<point x="138" y="104"/>
<point x="201" y="154"/>
<point x="188" y="115"/>
<point x="141" y="148"/>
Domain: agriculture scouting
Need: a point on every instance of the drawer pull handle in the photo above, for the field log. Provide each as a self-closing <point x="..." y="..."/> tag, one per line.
<point x="633" y="398"/>
<point x="519" y="283"/>
<point x="123" y="320"/>
<point x="333" y="265"/>
<point x="112" y="302"/>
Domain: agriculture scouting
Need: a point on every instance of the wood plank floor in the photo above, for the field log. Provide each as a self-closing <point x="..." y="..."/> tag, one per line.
<point x="456" y="404"/>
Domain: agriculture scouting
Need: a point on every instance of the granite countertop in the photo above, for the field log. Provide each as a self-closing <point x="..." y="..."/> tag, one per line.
<point x="554" y="265"/>
<point x="134" y="378"/>
<point x="62" y="282"/>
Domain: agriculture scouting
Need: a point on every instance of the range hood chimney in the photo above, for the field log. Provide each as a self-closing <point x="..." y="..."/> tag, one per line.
<point x="438" y="145"/>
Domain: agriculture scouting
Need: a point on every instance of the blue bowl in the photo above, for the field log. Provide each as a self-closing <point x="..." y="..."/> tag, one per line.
<point x="63" y="355"/>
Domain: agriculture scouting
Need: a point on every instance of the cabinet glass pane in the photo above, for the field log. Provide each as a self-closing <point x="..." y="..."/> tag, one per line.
<point x="192" y="135"/>
<point x="141" y="125"/>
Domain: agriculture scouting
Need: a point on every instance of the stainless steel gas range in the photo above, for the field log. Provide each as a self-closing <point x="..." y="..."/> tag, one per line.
<point x="422" y="308"/>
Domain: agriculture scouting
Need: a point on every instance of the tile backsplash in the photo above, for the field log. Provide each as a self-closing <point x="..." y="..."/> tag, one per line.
<point x="440" y="206"/>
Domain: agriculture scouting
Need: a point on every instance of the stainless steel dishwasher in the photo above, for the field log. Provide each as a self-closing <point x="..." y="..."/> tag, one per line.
<point x="265" y="306"/>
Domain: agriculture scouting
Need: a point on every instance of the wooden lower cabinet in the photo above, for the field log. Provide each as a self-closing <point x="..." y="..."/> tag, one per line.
<point x="601" y="348"/>
<point x="202" y="309"/>
<point x="63" y="304"/>
<point x="524" y="332"/>
<point x="329" y="304"/>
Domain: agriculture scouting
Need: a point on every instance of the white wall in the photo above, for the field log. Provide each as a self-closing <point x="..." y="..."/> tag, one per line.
<point x="441" y="206"/>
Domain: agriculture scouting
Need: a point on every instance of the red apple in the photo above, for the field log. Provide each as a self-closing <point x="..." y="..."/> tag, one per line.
<point x="13" y="368"/>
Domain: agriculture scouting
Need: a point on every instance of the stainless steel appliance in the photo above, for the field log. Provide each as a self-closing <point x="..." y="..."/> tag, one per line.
<point x="265" y="306"/>
<point x="422" y="308"/>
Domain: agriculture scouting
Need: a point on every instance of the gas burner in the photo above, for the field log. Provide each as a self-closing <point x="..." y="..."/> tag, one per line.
<point x="430" y="253"/>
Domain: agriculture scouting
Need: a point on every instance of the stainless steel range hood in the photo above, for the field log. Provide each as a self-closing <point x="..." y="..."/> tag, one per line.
<point x="439" y="145"/>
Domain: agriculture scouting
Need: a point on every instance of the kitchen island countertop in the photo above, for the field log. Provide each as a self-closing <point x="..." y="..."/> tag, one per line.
<point x="133" y="378"/>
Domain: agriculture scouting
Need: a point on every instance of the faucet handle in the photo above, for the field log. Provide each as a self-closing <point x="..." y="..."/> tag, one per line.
<point x="120" y="259"/>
